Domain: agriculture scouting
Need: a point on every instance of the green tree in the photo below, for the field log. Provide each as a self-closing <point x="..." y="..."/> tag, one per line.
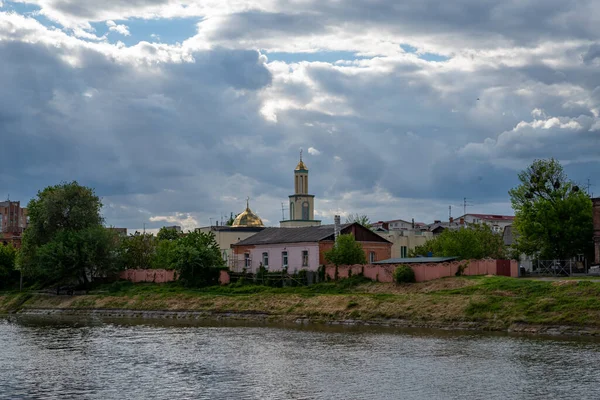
<point x="165" y="256"/>
<point x="138" y="250"/>
<point x="553" y="218"/>
<point x="361" y="219"/>
<point x="231" y="219"/>
<point x="65" y="239"/>
<point x="474" y="242"/>
<point x="198" y="259"/>
<point x="347" y="251"/>
<point x="167" y="234"/>
<point x="8" y="274"/>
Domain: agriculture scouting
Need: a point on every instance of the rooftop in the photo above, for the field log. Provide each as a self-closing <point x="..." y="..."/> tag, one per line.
<point x="493" y="217"/>
<point x="291" y="235"/>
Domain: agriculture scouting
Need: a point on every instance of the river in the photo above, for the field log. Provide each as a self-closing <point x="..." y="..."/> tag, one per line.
<point x="68" y="359"/>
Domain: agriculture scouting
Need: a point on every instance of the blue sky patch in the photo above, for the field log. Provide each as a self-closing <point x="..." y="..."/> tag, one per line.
<point x="322" y="56"/>
<point x="432" y="57"/>
<point x="28" y="10"/>
<point x="168" y="31"/>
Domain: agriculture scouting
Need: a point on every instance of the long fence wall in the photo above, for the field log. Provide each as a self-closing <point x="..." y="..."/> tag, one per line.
<point x="160" y="276"/>
<point x="427" y="272"/>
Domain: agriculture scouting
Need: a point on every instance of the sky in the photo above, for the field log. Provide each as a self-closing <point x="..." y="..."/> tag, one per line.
<point x="177" y="111"/>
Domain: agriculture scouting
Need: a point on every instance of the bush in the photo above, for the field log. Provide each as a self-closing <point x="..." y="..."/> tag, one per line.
<point x="404" y="274"/>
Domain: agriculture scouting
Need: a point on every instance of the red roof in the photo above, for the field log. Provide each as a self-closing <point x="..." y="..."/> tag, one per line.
<point x="493" y="217"/>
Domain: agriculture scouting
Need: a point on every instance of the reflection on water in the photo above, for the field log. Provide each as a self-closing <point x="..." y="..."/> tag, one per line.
<point x="67" y="359"/>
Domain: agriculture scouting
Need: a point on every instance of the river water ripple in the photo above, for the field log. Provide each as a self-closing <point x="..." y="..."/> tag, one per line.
<point x="42" y="359"/>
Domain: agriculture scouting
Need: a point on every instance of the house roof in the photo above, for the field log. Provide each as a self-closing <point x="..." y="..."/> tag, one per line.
<point x="291" y="235"/>
<point x="309" y="234"/>
<point x="416" y="260"/>
<point x="492" y="217"/>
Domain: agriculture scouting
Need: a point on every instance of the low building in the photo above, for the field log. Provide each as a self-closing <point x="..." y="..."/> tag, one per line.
<point x="302" y="248"/>
<point x="440" y="226"/>
<point x="596" y="219"/>
<point x="405" y="240"/>
<point x="245" y="225"/>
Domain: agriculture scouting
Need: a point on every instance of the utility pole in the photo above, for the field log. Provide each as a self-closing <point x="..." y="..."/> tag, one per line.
<point x="144" y="228"/>
<point x="449" y="213"/>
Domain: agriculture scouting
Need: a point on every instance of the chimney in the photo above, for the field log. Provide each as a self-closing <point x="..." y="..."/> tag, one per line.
<point x="462" y="220"/>
<point x="451" y="220"/>
<point x="437" y="221"/>
<point x="413" y="223"/>
<point x="336" y="227"/>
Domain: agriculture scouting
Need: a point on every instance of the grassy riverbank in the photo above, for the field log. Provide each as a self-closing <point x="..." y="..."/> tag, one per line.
<point x="495" y="303"/>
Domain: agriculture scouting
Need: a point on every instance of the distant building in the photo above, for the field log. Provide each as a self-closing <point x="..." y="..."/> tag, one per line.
<point x="302" y="204"/>
<point x="175" y="228"/>
<point x="437" y="227"/>
<point x="13" y="221"/>
<point x="302" y="248"/>
<point x="118" y="231"/>
<point x="397" y="225"/>
<point x="405" y="240"/>
<point x="496" y="222"/>
<point x="596" y="219"/>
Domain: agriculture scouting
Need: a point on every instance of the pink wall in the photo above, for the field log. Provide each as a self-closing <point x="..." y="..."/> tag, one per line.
<point x="148" y="275"/>
<point x="224" y="278"/>
<point x="423" y="272"/>
<point x="294" y="251"/>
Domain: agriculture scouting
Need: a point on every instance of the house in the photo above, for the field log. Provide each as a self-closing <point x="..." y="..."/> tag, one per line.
<point x="302" y="247"/>
<point x="405" y="240"/>
<point x="596" y="219"/>
<point x="397" y="225"/>
<point x="496" y="222"/>
<point x="440" y="226"/>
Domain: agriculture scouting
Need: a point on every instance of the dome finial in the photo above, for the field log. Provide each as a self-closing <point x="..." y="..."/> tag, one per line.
<point x="247" y="203"/>
<point x="300" y="154"/>
<point x="301" y="166"/>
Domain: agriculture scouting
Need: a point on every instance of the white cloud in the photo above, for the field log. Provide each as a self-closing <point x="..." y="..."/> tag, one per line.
<point x="114" y="27"/>
<point x="313" y="152"/>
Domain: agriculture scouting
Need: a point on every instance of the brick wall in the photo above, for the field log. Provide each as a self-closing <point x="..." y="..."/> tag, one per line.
<point x="383" y="251"/>
<point x="423" y="272"/>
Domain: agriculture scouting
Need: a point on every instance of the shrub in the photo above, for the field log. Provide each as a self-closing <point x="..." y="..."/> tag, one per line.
<point x="404" y="274"/>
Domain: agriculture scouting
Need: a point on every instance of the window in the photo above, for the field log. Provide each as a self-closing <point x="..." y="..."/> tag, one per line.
<point x="371" y="257"/>
<point x="403" y="252"/>
<point x="305" y="258"/>
<point x="265" y="259"/>
<point x="247" y="261"/>
<point x="292" y="216"/>
<point x="305" y="215"/>
<point x="284" y="259"/>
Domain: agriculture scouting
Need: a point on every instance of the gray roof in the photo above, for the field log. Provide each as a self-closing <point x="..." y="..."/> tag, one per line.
<point x="416" y="260"/>
<point x="291" y="235"/>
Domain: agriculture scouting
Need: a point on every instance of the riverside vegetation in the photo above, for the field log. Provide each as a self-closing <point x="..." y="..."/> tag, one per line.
<point x="489" y="303"/>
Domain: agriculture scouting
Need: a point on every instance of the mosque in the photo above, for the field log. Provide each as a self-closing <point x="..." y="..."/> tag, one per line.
<point x="248" y="223"/>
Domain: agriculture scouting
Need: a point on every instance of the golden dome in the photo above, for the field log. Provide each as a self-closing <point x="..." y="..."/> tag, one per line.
<point x="247" y="218"/>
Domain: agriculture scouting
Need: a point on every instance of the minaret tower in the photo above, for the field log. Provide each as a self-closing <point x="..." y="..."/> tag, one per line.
<point x="302" y="204"/>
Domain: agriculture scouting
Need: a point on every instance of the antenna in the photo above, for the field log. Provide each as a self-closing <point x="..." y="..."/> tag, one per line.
<point x="588" y="187"/>
<point x="465" y="204"/>
<point x="449" y="212"/>
<point x="144" y="228"/>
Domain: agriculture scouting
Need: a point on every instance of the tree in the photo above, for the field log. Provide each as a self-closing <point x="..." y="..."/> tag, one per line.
<point x="360" y="219"/>
<point x="65" y="239"/>
<point x="8" y="274"/>
<point x="231" y="219"/>
<point x="347" y="251"/>
<point x="474" y="242"/>
<point x="553" y="218"/>
<point x="138" y="250"/>
<point x="198" y="259"/>
<point x="167" y="234"/>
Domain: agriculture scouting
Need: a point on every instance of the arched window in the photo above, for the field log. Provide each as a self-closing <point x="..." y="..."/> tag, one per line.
<point x="292" y="210"/>
<point x="305" y="215"/>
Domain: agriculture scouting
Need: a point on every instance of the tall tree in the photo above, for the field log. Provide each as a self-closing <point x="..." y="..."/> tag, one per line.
<point x="198" y="259"/>
<point x="167" y="234"/>
<point x="553" y="218"/>
<point x="474" y="242"/>
<point x="347" y="251"/>
<point x="8" y="274"/>
<point x="65" y="239"/>
<point x="138" y="250"/>
<point x="358" y="218"/>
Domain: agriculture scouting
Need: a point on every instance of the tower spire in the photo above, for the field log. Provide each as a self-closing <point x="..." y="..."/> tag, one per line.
<point x="300" y="155"/>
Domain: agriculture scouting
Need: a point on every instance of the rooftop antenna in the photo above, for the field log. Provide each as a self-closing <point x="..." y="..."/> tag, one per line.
<point x="283" y="208"/>
<point x="465" y="204"/>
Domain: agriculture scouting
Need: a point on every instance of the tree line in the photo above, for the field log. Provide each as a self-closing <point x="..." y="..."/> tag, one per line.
<point x="66" y="243"/>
